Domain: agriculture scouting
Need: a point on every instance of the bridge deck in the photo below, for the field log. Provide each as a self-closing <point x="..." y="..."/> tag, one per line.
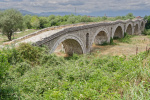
<point x="51" y="31"/>
<point x="41" y="36"/>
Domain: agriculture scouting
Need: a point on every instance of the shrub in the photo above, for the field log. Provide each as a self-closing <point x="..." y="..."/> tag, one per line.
<point x="29" y="52"/>
<point x="146" y="32"/>
<point x="71" y="20"/>
<point x="85" y="19"/>
<point x="112" y="41"/>
<point x="4" y="65"/>
<point x="126" y="39"/>
<point x="21" y="68"/>
<point x="35" y="22"/>
<point x="104" y="18"/>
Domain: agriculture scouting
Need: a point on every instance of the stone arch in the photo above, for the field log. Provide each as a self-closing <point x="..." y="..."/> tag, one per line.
<point x="142" y="26"/>
<point x="71" y="43"/>
<point x="87" y="40"/>
<point x="118" y="33"/>
<point x="129" y="29"/>
<point x="100" y="36"/>
<point x="136" y="29"/>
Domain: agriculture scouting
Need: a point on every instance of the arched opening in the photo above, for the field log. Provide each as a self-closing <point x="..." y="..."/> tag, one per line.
<point x="87" y="40"/>
<point x="129" y="29"/>
<point x="142" y="26"/>
<point x="118" y="32"/>
<point x="136" y="29"/>
<point x="69" y="47"/>
<point x="101" y="38"/>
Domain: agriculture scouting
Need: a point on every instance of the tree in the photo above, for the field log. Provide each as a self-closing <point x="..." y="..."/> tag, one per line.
<point x="26" y="20"/>
<point x="147" y="26"/>
<point x="35" y="22"/>
<point x="104" y="18"/>
<point x="43" y="22"/>
<point x="10" y="21"/>
<point x="130" y="16"/>
<point x="118" y="17"/>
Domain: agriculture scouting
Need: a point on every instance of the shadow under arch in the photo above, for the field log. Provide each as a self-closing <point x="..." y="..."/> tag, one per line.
<point x="142" y="26"/>
<point x="136" y="29"/>
<point x="129" y="29"/>
<point x="100" y="37"/>
<point x="71" y="44"/>
<point x="118" y="32"/>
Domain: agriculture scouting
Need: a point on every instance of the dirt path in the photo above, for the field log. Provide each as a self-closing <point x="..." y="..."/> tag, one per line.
<point x="124" y="48"/>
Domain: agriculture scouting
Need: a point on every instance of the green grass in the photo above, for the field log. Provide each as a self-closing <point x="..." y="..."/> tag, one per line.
<point x="106" y="43"/>
<point x="126" y="39"/>
<point x="80" y="77"/>
<point x="4" y="38"/>
<point x="146" y="32"/>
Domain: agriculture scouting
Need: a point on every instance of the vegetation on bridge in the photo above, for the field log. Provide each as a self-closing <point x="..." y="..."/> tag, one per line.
<point x="29" y="72"/>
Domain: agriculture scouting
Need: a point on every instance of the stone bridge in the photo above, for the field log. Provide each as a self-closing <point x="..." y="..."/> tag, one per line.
<point x="79" y="39"/>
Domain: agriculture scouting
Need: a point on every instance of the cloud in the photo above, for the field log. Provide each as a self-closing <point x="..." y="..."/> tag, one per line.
<point x="71" y="2"/>
<point x="11" y="0"/>
<point x="82" y="6"/>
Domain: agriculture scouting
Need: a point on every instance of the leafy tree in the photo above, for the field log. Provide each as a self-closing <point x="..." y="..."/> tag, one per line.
<point x="10" y="21"/>
<point x="130" y="16"/>
<point x="104" y="18"/>
<point x="35" y="22"/>
<point x="51" y="17"/>
<point x="85" y="19"/>
<point x="26" y="20"/>
<point x="71" y="20"/>
<point x="147" y="26"/>
<point x="43" y="22"/>
<point x="118" y="17"/>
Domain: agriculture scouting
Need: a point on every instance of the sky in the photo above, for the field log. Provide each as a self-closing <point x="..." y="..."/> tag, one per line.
<point x="84" y="7"/>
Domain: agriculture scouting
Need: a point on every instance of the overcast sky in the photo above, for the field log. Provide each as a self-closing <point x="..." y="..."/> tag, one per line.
<point x="139" y="7"/>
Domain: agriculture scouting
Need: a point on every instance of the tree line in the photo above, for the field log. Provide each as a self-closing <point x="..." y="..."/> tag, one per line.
<point x="12" y="20"/>
<point x="147" y="26"/>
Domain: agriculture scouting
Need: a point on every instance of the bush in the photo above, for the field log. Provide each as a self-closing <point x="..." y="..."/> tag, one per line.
<point x="126" y="39"/>
<point x="146" y="32"/>
<point x="35" y="22"/>
<point x="28" y="52"/>
<point x="21" y="68"/>
<point x="87" y="77"/>
<point x="71" y="20"/>
<point x="104" y="18"/>
<point x="147" y="26"/>
<point x="85" y="19"/>
<point x="4" y="65"/>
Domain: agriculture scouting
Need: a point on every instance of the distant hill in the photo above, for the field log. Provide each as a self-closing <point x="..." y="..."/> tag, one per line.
<point x="25" y="12"/>
<point x="54" y="13"/>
